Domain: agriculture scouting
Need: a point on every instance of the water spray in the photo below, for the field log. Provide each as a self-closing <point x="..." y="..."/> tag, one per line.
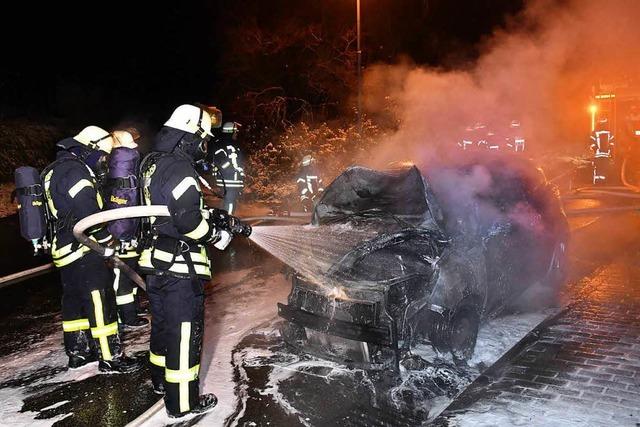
<point x="311" y="250"/>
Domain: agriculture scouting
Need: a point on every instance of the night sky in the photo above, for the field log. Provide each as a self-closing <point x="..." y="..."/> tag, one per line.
<point x="112" y="61"/>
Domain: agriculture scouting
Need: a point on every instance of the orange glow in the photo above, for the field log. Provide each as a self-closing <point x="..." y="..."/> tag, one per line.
<point x="338" y="293"/>
<point x="593" y="108"/>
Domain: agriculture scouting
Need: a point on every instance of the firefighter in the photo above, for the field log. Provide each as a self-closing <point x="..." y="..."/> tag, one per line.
<point x="229" y="163"/>
<point x="121" y="190"/>
<point x="309" y="183"/>
<point x="602" y="146"/>
<point x="480" y="136"/>
<point x="467" y="139"/>
<point x="515" y="140"/>
<point x="632" y="122"/>
<point x="89" y="318"/>
<point x="175" y="259"/>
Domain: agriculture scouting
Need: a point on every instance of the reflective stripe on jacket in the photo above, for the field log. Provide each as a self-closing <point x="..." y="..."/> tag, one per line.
<point x="71" y="195"/>
<point x="172" y="181"/>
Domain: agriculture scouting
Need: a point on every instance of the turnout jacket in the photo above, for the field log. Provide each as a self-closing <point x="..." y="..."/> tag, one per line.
<point x="179" y="240"/>
<point x="71" y="194"/>
<point x="229" y="161"/>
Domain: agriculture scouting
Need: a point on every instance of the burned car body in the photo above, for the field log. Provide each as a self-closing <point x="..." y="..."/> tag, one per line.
<point x="436" y="266"/>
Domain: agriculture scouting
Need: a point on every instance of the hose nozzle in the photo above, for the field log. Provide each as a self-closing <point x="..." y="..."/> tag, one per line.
<point x="232" y="224"/>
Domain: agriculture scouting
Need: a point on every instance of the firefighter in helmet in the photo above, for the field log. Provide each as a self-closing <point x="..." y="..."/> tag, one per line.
<point x="309" y="183"/>
<point x="175" y="258"/>
<point x="515" y="139"/>
<point x="229" y="162"/>
<point x="89" y="317"/>
<point x="602" y="146"/>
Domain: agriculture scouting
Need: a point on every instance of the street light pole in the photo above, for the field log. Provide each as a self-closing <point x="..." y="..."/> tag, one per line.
<point x="359" y="53"/>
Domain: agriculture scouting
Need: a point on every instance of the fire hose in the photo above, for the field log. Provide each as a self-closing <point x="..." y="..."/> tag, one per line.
<point x="112" y="215"/>
<point x="106" y="216"/>
<point x="233" y="225"/>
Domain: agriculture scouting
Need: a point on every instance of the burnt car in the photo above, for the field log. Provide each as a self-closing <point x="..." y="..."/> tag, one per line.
<point x="447" y="251"/>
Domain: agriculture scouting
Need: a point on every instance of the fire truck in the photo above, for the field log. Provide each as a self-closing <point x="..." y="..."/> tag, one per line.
<point x="615" y="131"/>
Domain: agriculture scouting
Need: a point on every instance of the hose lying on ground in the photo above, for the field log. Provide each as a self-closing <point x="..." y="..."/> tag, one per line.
<point x="24" y="275"/>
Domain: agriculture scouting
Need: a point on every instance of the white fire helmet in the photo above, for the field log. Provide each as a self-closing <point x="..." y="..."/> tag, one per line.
<point x="192" y="119"/>
<point x="95" y="138"/>
<point x="306" y="160"/>
<point x="125" y="138"/>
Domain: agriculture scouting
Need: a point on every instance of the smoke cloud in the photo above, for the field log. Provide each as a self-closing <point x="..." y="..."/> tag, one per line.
<point x="540" y="70"/>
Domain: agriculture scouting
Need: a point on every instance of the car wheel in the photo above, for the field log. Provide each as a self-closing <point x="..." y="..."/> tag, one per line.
<point x="463" y="333"/>
<point x="456" y="335"/>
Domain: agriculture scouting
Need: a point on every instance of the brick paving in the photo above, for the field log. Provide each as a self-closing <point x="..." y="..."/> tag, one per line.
<point x="583" y="370"/>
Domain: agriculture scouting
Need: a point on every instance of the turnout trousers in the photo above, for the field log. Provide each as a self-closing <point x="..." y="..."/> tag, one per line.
<point x="126" y="293"/>
<point x="229" y="203"/>
<point x="177" y="323"/>
<point x="89" y="318"/>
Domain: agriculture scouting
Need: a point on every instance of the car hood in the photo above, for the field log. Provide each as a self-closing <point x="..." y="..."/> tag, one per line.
<point x="401" y="193"/>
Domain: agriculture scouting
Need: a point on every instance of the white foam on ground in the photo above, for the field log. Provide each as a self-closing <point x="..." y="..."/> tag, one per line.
<point x="10" y="414"/>
<point x="550" y="414"/>
<point x="55" y="405"/>
<point x="47" y="353"/>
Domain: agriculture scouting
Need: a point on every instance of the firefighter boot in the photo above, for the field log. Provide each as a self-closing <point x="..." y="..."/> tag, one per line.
<point x="115" y="361"/>
<point x="80" y="348"/>
<point x="205" y="404"/>
<point x="120" y="365"/>
<point x="157" y="379"/>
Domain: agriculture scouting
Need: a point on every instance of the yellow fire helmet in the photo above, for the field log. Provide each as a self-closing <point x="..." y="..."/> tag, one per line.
<point x="95" y="138"/>
<point x="192" y="119"/>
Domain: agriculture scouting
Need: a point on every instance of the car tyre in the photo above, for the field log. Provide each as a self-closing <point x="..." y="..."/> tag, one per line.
<point x="457" y="334"/>
<point x="463" y="333"/>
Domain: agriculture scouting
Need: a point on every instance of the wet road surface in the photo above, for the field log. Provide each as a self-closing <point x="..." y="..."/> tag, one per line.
<point x="584" y="369"/>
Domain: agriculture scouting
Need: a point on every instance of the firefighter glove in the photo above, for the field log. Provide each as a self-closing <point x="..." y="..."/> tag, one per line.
<point x="225" y="239"/>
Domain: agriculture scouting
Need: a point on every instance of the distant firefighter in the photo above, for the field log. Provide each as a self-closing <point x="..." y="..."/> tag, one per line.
<point x="602" y="146"/>
<point x="632" y="122"/>
<point x="467" y="140"/>
<point x="230" y="161"/>
<point x="480" y="136"/>
<point x="515" y="138"/>
<point x="309" y="183"/>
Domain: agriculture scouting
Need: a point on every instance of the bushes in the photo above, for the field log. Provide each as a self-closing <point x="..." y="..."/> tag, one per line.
<point x="25" y="143"/>
<point x="271" y="170"/>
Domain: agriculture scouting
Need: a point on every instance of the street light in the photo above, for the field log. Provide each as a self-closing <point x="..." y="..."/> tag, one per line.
<point x="359" y="53"/>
